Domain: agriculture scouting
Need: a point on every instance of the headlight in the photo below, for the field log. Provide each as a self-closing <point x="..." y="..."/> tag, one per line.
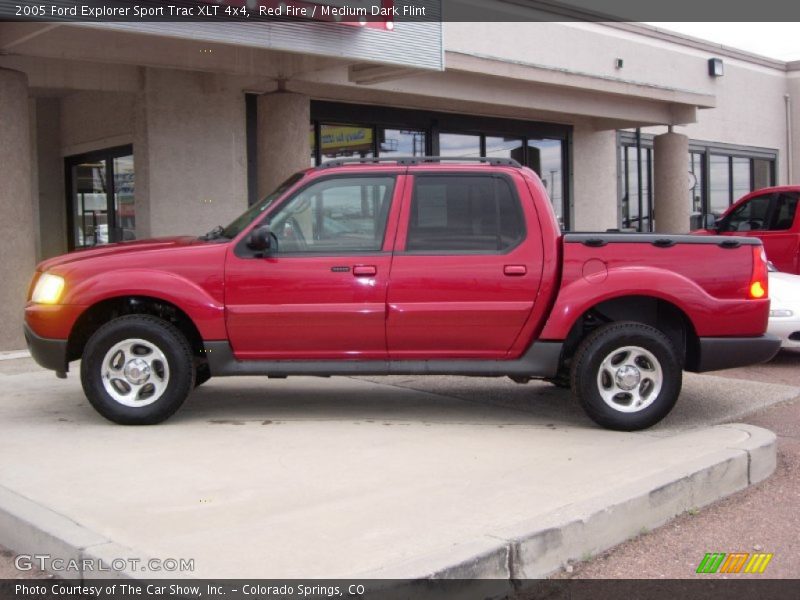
<point x="48" y="289"/>
<point x="780" y="312"/>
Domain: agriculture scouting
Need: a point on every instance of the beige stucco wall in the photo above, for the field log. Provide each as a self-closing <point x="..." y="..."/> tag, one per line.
<point x="17" y="230"/>
<point x="585" y="48"/>
<point x="51" y="206"/>
<point x="93" y="120"/>
<point x="750" y="112"/>
<point x="189" y="151"/>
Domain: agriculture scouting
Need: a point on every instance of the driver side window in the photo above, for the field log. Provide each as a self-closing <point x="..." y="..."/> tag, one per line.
<point x="343" y="214"/>
<point x="750" y="216"/>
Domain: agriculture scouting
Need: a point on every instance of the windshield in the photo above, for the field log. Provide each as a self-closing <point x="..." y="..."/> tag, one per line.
<point x="252" y="213"/>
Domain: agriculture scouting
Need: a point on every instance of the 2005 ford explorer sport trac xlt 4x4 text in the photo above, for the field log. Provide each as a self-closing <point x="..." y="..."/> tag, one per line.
<point x="403" y="266"/>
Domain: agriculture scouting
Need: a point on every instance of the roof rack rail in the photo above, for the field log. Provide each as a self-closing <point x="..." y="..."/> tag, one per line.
<point x="420" y="160"/>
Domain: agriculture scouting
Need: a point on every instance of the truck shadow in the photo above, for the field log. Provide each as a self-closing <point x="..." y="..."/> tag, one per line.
<point x="389" y="400"/>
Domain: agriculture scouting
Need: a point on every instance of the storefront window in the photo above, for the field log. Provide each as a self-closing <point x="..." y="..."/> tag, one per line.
<point x="505" y="147"/>
<point x="458" y="144"/>
<point x="345" y="141"/>
<point x="718" y="175"/>
<point x="740" y="168"/>
<point x="346" y="130"/>
<point x="637" y="201"/>
<point x="719" y="184"/>
<point x="762" y="173"/>
<point x="101" y="197"/>
<point x="402" y="142"/>
<point x="123" y="197"/>
<point x="696" y="186"/>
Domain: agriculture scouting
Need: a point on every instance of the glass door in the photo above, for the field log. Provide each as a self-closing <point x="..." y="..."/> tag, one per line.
<point x="100" y="197"/>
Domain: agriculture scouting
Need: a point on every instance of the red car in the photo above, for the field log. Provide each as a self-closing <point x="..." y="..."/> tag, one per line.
<point x="403" y="266"/>
<point x="771" y="215"/>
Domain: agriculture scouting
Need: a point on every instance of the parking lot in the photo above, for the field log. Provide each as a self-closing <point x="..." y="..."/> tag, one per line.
<point x="342" y="477"/>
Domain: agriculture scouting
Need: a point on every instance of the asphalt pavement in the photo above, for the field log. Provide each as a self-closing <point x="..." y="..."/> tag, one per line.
<point x="364" y="466"/>
<point x="764" y="518"/>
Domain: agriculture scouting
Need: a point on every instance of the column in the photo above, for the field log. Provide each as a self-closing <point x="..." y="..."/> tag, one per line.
<point x="283" y="124"/>
<point x="595" y="178"/>
<point x="670" y="186"/>
<point x="189" y="152"/>
<point x="16" y="206"/>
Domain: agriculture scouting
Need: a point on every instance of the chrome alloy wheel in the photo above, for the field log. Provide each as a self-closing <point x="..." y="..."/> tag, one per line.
<point x="629" y="379"/>
<point x="135" y="372"/>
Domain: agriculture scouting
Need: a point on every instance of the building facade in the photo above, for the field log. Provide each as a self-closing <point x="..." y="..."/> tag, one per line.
<point x="120" y="131"/>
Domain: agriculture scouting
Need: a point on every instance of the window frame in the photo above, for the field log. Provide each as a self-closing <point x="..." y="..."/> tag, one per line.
<point x="406" y="224"/>
<point x="726" y="221"/>
<point x="242" y="251"/>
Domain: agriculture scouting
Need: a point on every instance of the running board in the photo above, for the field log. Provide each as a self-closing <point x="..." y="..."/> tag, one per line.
<point x="540" y="360"/>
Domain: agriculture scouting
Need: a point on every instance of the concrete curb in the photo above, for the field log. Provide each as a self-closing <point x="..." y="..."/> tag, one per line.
<point x="32" y="529"/>
<point x="527" y="550"/>
<point x="536" y="549"/>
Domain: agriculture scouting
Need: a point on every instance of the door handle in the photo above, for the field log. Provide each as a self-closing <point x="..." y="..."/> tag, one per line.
<point x="515" y="270"/>
<point x="365" y="271"/>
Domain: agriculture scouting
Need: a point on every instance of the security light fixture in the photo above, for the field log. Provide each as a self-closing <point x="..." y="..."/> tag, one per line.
<point x="716" y="67"/>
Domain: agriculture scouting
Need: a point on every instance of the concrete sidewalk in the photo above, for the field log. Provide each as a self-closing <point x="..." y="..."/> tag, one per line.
<point x="341" y="477"/>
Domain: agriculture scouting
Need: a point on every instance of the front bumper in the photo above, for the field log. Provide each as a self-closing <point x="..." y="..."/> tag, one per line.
<point x="728" y="353"/>
<point x="48" y="353"/>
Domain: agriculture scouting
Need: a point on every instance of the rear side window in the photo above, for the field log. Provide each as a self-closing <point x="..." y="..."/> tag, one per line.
<point x="785" y="211"/>
<point x="456" y="213"/>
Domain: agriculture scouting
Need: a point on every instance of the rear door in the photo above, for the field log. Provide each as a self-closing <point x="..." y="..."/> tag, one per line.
<point x="772" y="218"/>
<point x="320" y="292"/>
<point x="467" y="266"/>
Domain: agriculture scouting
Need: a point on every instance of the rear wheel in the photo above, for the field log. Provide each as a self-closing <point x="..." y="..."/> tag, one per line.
<point x="626" y="376"/>
<point x="137" y="370"/>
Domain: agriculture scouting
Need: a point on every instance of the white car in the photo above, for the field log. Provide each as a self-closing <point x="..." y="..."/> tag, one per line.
<point x="784" y="313"/>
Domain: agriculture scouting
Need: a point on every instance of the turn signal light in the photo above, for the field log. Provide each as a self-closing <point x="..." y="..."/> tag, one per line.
<point x="757" y="290"/>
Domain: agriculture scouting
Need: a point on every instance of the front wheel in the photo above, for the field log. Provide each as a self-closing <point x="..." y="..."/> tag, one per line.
<point x="137" y="370"/>
<point x="626" y="376"/>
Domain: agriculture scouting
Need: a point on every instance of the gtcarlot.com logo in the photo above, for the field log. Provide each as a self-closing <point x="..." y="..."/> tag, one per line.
<point x="47" y="562"/>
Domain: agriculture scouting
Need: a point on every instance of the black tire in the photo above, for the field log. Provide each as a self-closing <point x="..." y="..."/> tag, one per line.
<point x="561" y="380"/>
<point x="202" y="373"/>
<point x="163" y="343"/>
<point x="651" y="351"/>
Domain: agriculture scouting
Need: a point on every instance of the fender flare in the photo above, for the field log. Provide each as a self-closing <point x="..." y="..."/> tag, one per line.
<point x="206" y="312"/>
<point x="582" y="294"/>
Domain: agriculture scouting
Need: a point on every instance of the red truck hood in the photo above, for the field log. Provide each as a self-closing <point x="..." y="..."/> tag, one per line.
<point x="118" y="249"/>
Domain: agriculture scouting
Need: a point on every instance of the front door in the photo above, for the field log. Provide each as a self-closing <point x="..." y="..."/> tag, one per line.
<point x="100" y="198"/>
<point x="320" y="292"/>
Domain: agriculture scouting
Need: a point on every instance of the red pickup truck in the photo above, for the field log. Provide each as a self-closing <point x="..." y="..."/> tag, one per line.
<point x="771" y="215"/>
<point x="403" y="266"/>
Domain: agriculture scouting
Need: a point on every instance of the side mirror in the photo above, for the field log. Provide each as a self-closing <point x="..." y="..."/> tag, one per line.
<point x="260" y="239"/>
<point x="710" y="222"/>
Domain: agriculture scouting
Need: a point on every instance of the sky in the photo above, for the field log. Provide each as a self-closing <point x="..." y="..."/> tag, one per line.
<point x="773" y="40"/>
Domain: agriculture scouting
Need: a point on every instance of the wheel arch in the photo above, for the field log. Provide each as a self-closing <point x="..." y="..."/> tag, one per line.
<point x="107" y="309"/>
<point x="657" y="312"/>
